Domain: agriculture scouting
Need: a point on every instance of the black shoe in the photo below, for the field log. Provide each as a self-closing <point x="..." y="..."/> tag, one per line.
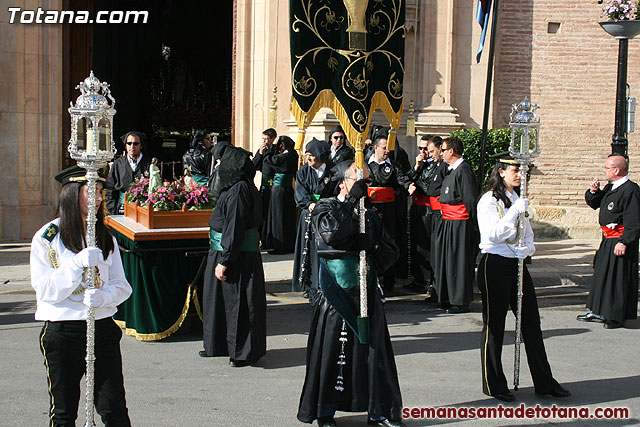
<point x="457" y="309"/>
<point x="203" y="353"/>
<point x="385" y="423"/>
<point x="238" y="363"/>
<point x="590" y="317"/>
<point x="612" y="324"/>
<point x="505" y="397"/>
<point x="556" y="392"/>
<point x="326" y="422"/>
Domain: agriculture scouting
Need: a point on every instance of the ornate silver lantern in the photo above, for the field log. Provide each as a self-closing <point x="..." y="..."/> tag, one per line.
<point x="91" y="145"/>
<point x="523" y="147"/>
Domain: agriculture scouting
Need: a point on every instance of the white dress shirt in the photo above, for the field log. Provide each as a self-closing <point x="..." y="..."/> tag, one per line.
<point x="134" y="165"/>
<point x="55" y="287"/>
<point x="496" y="230"/>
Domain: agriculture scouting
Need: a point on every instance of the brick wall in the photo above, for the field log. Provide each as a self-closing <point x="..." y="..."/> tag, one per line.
<point x="571" y="75"/>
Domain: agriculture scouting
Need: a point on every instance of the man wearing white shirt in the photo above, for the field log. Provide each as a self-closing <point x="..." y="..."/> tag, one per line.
<point x="613" y="297"/>
<point x="125" y="170"/>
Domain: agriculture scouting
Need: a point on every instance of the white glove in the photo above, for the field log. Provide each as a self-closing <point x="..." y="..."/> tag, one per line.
<point x="521" y="253"/>
<point x="88" y="257"/>
<point x="94" y="297"/>
<point x="520" y="206"/>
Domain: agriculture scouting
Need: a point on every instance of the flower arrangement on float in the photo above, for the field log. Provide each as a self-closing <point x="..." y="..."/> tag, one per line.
<point x="171" y="205"/>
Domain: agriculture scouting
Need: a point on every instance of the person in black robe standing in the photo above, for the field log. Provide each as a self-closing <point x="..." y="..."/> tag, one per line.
<point x="340" y="149"/>
<point x="311" y="180"/>
<point x="234" y="300"/>
<point x="342" y="374"/>
<point x="280" y="224"/>
<point x="433" y="191"/>
<point x="420" y="216"/>
<point x="458" y="237"/>
<point x="613" y="297"/>
<point x="388" y="194"/>
<point x="498" y="212"/>
<point x="267" y="148"/>
<point x="124" y="170"/>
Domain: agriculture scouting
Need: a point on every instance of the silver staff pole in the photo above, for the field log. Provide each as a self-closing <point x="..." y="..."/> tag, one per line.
<point x="91" y="145"/>
<point x="363" y="319"/>
<point x="524" y="146"/>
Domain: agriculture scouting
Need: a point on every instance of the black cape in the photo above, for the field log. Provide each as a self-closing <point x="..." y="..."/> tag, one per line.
<point x="234" y="310"/>
<point x="280" y="223"/>
<point x="370" y="377"/>
<point x="614" y="292"/>
<point x="307" y="184"/>
<point x="265" y="187"/>
<point x="458" y="239"/>
<point x="394" y="214"/>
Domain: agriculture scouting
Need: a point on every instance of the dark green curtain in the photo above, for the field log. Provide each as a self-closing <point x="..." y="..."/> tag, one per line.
<point x="161" y="284"/>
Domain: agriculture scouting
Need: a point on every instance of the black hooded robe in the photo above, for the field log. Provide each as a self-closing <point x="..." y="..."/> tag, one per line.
<point x="614" y="291"/>
<point x="394" y="214"/>
<point x="280" y="224"/>
<point x="370" y="377"/>
<point x="234" y="310"/>
<point x="308" y="187"/>
<point x="120" y="178"/>
<point x="265" y="188"/>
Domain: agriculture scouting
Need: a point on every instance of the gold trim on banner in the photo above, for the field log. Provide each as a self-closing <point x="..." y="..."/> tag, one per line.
<point x="326" y="98"/>
<point x="173" y="329"/>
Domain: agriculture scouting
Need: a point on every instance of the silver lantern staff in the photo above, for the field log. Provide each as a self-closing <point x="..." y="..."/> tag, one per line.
<point x="91" y="145"/>
<point x="523" y="147"/>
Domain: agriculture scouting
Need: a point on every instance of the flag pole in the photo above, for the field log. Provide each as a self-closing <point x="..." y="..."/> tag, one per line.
<point x="487" y="92"/>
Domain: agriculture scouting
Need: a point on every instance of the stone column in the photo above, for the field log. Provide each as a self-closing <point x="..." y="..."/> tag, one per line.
<point x="30" y="124"/>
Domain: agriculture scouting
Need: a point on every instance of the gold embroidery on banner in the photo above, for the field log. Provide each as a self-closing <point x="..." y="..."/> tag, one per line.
<point x="359" y="63"/>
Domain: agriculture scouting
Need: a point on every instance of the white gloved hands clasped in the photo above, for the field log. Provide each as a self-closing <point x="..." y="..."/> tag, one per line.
<point x="521" y="253"/>
<point x="520" y="206"/>
<point x="88" y="257"/>
<point x="94" y="297"/>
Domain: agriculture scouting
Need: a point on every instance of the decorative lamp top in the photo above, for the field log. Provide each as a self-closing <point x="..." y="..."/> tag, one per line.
<point x="524" y="112"/>
<point x="93" y="95"/>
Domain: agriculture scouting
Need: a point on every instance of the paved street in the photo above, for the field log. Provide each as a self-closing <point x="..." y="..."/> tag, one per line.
<point x="438" y="356"/>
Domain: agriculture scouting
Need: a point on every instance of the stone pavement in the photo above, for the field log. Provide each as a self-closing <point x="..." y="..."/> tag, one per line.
<point x="437" y="356"/>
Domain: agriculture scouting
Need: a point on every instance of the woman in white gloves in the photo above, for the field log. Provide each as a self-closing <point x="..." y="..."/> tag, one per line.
<point x="498" y="212"/>
<point x="59" y="261"/>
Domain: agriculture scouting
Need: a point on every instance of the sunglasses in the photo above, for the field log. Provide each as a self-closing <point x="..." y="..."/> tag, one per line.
<point x="337" y="137"/>
<point x="423" y="148"/>
<point x="132" y="143"/>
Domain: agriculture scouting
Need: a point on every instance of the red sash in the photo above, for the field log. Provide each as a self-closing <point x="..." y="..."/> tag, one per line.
<point x="420" y="199"/>
<point x="435" y="203"/>
<point x="612" y="234"/>
<point x="457" y="211"/>
<point x="381" y="194"/>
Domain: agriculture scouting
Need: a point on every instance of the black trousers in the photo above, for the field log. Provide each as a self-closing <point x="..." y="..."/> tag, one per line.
<point x="498" y="282"/>
<point x="63" y="345"/>
<point x="421" y="244"/>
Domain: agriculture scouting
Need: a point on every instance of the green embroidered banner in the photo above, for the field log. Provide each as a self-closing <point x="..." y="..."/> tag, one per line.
<point x="347" y="55"/>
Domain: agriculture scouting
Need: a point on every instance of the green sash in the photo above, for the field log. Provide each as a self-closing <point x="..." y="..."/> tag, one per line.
<point x="345" y="270"/>
<point x="250" y="241"/>
<point x="267" y="181"/>
<point x="283" y="179"/>
<point x="315" y="197"/>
